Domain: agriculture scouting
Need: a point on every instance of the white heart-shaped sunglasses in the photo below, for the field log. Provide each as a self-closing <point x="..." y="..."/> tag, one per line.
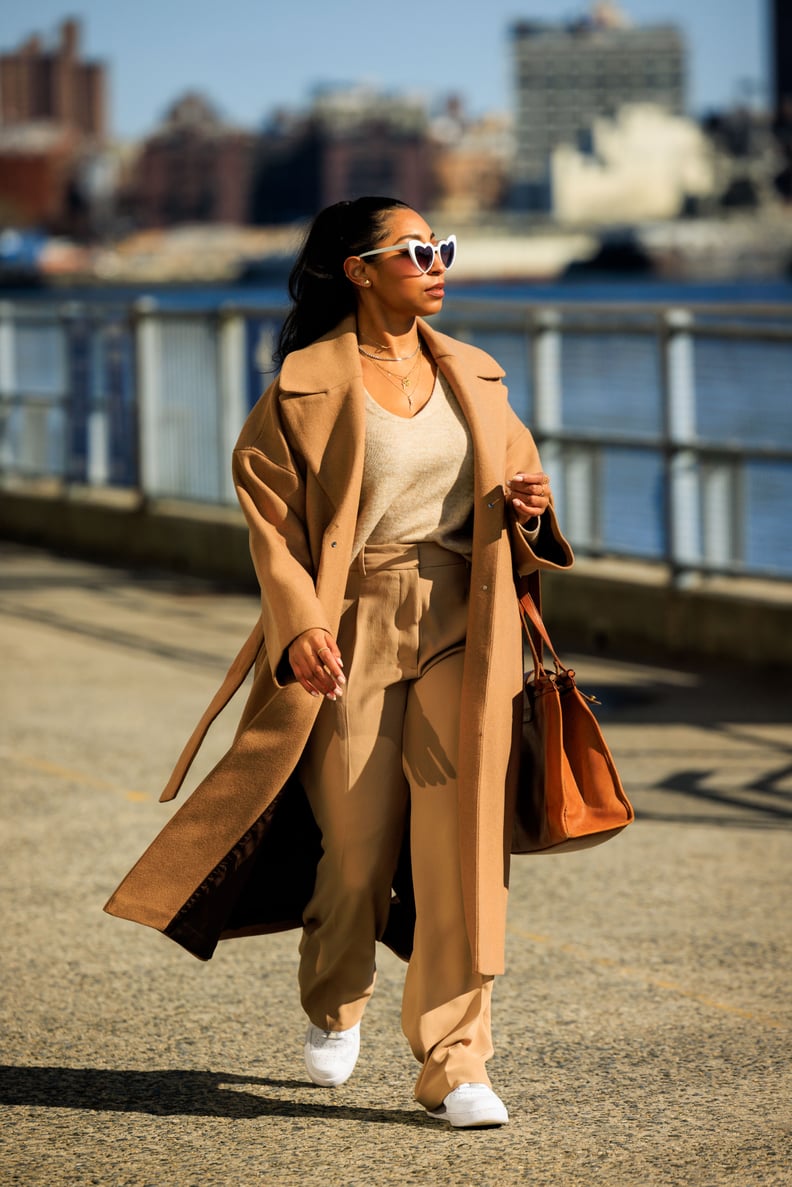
<point x="421" y="254"/>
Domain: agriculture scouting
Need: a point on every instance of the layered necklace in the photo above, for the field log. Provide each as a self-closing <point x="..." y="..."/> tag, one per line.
<point x="404" y="383"/>
<point x="389" y="358"/>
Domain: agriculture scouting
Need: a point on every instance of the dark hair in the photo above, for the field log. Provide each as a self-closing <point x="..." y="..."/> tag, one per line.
<point x="318" y="286"/>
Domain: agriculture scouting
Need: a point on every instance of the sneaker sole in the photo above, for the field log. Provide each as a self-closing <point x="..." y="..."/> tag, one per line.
<point x="326" y="1079"/>
<point x="474" y="1123"/>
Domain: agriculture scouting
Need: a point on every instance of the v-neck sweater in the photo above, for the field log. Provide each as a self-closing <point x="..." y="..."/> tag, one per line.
<point x="417" y="475"/>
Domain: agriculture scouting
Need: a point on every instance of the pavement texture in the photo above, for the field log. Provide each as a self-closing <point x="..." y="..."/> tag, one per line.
<point x="642" y="1029"/>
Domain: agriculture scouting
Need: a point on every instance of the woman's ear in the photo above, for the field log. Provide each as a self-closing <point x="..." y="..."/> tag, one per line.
<point x="356" y="270"/>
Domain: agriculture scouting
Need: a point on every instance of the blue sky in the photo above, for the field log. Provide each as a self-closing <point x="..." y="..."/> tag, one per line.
<point x="250" y="56"/>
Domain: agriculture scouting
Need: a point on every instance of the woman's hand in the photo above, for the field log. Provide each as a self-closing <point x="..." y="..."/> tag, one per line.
<point x="529" y="495"/>
<point x="316" y="662"/>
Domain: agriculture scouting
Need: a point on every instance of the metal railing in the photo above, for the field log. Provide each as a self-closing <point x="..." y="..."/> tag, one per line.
<point x="667" y="431"/>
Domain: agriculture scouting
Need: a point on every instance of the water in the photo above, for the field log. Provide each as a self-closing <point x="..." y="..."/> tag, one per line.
<point x="645" y="290"/>
<point x="613" y="383"/>
<point x="610" y="383"/>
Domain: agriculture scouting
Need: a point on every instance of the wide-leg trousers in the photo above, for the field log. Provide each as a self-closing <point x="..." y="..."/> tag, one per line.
<point x="390" y="746"/>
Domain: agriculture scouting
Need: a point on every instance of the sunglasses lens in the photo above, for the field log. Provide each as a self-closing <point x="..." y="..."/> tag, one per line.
<point x="424" y="256"/>
<point x="448" y="252"/>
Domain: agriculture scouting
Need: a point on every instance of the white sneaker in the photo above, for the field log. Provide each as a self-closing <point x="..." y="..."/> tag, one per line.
<point x="471" y="1106"/>
<point x="331" y="1055"/>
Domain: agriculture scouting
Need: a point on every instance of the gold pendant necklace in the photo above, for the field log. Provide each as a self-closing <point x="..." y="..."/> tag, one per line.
<point x="405" y="382"/>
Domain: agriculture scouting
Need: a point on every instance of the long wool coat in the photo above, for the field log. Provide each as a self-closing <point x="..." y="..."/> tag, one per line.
<point x="239" y="857"/>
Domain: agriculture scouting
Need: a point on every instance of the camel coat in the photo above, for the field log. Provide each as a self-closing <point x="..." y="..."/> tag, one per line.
<point x="239" y="857"/>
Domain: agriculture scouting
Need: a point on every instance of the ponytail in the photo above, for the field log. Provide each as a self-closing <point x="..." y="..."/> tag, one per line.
<point x="319" y="289"/>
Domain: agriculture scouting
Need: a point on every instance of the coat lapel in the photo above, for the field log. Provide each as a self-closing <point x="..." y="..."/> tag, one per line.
<point x="323" y="406"/>
<point x="471" y="374"/>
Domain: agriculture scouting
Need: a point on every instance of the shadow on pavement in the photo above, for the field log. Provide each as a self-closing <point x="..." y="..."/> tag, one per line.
<point x="741" y="770"/>
<point x="745" y="813"/>
<point x="707" y="696"/>
<point x="176" y="1093"/>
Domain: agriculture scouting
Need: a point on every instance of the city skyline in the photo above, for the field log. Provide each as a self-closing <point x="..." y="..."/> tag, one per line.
<point x="155" y="51"/>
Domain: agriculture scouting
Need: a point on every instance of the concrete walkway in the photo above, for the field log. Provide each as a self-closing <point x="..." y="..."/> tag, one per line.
<point x="642" y="1031"/>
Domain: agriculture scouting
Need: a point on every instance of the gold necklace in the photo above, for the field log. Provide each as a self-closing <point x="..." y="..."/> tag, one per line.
<point x="405" y="381"/>
<point x="401" y="358"/>
<point x="402" y="383"/>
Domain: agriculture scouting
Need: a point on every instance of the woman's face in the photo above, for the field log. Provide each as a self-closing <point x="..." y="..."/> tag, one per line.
<point x="391" y="279"/>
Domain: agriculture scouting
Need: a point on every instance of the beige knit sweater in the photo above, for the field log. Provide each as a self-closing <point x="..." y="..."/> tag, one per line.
<point x="417" y="476"/>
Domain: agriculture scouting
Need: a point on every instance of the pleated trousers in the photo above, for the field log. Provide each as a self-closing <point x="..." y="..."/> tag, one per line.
<point x="390" y="746"/>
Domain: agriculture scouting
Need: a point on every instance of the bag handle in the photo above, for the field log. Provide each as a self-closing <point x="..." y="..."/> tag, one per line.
<point x="530" y="584"/>
<point x="528" y="610"/>
<point x="538" y="666"/>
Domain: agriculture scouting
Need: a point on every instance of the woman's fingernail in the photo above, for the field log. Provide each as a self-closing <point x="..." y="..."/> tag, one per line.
<point x="341" y="679"/>
<point x="339" y="661"/>
<point x="314" y="693"/>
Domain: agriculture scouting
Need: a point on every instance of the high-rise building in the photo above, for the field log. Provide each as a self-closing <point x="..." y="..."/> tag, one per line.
<point x="352" y="141"/>
<point x="52" y="123"/>
<point x="568" y="74"/>
<point x="53" y="85"/>
<point x="781" y="52"/>
<point x="193" y="168"/>
<point x="781" y="25"/>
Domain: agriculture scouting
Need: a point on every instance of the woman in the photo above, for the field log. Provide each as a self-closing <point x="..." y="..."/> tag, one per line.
<point x="391" y="496"/>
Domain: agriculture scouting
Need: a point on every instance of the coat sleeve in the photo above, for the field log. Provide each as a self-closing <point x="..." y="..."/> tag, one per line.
<point x="547" y="548"/>
<point x="271" y="492"/>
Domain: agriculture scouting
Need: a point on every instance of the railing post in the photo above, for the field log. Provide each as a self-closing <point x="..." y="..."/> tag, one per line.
<point x="232" y="393"/>
<point x="547" y="409"/>
<point x="77" y="346"/>
<point x="582" y="486"/>
<point x="547" y="371"/>
<point x="6" y="348"/>
<point x="148" y="354"/>
<point x="722" y="500"/>
<point x="7" y="384"/>
<point x="98" y="427"/>
<point x="683" y="511"/>
<point x="88" y="448"/>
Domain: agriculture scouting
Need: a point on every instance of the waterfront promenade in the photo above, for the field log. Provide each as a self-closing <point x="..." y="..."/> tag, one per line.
<point x="642" y="1031"/>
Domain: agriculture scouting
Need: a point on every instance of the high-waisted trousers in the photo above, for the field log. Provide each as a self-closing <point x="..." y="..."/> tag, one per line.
<point x="387" y="747"/>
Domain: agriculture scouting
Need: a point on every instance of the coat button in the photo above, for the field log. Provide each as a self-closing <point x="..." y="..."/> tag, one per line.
<point x="485" y="587"/>
<point x="491" y="505"/>
<point x="334" y="544"/>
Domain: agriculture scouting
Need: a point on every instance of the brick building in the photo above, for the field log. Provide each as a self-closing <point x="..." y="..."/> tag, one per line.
<point x="52" y="118"/>
<point x="472" y="161"/>
<point x="193" y="168"/>
<point x="37" y="83"/>
<point x="349" y="143"/>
